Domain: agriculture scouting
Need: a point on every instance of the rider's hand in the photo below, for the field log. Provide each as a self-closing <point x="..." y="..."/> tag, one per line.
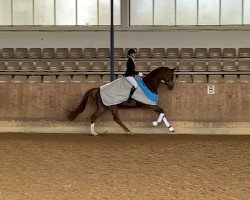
<point x="140" y="74"/>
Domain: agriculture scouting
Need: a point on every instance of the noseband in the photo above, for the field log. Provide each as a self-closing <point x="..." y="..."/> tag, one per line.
<point x="168" y="83"/>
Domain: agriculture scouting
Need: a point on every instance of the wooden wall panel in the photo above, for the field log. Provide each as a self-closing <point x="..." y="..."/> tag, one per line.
<point x="186" y="102"/>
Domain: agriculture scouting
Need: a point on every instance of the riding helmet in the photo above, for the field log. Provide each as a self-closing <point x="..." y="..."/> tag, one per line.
<point x="130" y="51"/>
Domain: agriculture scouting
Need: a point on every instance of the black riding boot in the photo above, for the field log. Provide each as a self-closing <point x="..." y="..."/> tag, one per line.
<point x="131" y="93"/>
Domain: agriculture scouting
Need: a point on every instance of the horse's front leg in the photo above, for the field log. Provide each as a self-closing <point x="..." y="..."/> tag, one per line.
<point x="161" y="117"/>
<point x="170" y="128"/>
<point x="114" y="111"/>
<point x="159" y="120"/>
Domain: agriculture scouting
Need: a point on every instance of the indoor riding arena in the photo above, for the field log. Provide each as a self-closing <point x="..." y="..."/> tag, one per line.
<point x="53" y="52"/>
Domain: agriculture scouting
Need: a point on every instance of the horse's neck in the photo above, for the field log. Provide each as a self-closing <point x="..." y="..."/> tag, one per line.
<point x="152" y="81"/>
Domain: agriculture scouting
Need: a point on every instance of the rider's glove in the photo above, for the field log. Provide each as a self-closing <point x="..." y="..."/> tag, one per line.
<point x="140" y="74"/>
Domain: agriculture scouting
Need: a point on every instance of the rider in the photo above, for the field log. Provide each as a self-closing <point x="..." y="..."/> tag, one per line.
<point x="131" y="72"/>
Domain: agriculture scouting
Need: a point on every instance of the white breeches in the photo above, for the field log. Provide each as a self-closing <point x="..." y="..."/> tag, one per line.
<point x="132" y="80"/>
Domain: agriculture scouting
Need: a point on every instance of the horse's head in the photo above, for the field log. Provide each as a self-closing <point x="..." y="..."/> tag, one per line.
<point x="168" y="77"/>
<point x="159" y="75"/>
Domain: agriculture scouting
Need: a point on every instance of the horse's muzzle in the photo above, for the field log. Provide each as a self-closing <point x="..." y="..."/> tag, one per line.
<point x="170" y="85"/>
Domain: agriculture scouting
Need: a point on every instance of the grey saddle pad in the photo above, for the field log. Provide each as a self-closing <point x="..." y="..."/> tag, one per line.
<point x="118" y="91"/>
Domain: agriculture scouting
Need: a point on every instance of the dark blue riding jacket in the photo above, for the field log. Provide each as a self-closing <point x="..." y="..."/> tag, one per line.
<point x="131" y="68"/>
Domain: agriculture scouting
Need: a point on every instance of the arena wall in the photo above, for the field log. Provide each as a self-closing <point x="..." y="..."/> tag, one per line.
<point x="139" y="39"/>
<point x="187" y="102"/>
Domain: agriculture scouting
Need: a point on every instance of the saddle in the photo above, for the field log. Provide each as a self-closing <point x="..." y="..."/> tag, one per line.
<point x="118" y="91"/>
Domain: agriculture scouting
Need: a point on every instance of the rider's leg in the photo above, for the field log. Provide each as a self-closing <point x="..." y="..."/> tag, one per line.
<point x="131" y="94"/>
<point x="133" y="82"/>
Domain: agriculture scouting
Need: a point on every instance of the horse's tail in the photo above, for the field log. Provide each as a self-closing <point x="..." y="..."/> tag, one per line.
<point x="73" y="114"/>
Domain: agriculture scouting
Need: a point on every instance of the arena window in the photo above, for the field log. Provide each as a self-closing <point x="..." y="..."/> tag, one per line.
<point x="189" y="12"/>
<point x="95" y="14"/>
<point x="58" y="12"/>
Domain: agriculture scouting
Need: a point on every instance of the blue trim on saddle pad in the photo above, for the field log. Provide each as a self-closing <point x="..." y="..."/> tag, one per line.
<point x="152" y="96"/>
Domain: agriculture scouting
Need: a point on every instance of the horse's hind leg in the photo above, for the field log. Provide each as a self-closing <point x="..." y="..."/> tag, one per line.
<point x="100" y="110"/>
<point x="114" y="111"/>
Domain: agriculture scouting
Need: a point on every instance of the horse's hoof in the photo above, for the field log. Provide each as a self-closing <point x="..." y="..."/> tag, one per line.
<point x="171" y="129"/>
<point x="94" y="133"/>
<point x="155" y="123"/>
<point x="130" y="133"/>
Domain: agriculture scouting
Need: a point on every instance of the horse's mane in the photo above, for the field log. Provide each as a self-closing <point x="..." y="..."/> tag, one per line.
<point x="154" y="72"/>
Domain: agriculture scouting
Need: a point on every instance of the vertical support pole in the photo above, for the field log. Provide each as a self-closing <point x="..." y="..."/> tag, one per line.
<point x="112" y="40"/>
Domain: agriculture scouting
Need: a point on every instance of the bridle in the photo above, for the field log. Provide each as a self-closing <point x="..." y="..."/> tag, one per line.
<point x="168" y="82"/>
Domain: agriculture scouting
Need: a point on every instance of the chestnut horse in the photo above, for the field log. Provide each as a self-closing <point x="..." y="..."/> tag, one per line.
<point x="152" y="81"/>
